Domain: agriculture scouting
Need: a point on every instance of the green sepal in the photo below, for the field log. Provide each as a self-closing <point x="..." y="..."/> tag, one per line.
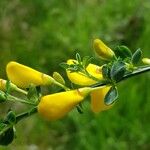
<point x="57" y="76"/>
<point x="136" y="56"/>
<point x="117" y="71"/>
<point x="111" y="96"/>
<point x="10" y="118"/>
<point x="33" y="93"/>
<point x="2" y="96"/>
<point x="8" y="87"/>
<point x="123" y="52"/>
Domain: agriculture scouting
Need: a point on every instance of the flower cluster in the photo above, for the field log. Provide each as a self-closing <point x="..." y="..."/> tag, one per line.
<point x="100" y="82"/>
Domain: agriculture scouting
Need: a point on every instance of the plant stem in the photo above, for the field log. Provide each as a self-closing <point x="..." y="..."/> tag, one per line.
<point x="14" y="99"/>
<point x="21" y="91"/>
<point x="26" y="114"/>
<point x="134" y="73"/>
<point x="61" y="85"/>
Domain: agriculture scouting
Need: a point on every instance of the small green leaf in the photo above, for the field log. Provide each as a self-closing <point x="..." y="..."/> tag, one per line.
<point x="86" y="61"/>
<point x="123" y="52"/>
<point x="118" y="70"/>
<point x="10" y="118"/>
<point x="106" y="71"/>
<point x="111" y="96"/>
<point x="136" y="56"/>
<point x="64" y="65"/>
<point x="78" y="58"/>
<point x="7" y="136"/>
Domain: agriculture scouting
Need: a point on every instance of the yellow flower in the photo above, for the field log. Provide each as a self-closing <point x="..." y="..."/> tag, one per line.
<point x="97" y="96"/>
<point x="97" y="99"/>
<point x="23" y="76"/>
<point x="3" y="85"/>
<point x="146" y="61"/>
<point x="102" y="50"/>
<point x="80" y="79"/>
<point x="56" y="106"/>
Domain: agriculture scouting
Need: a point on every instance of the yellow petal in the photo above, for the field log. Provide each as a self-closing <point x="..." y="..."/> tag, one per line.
<point x="55" y="106"/>
<point x="97" y="99"/>
<point x="23" y="76"/>
<point x="81" y="79"/>
<point x="102" y="50"/>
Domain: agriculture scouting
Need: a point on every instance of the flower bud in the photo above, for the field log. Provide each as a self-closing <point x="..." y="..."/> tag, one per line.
<point x="3" y="85"/>
<point x="23" y="76"/>
<point x="146" y="61"/>
<point x="102" y="50"/>
<point x="97" y="99"/>
<point x="56" y="106"/>
<point x="80" y="79"/>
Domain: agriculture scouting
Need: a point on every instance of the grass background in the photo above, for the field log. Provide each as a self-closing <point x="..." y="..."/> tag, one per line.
<point x="42" y="34"/>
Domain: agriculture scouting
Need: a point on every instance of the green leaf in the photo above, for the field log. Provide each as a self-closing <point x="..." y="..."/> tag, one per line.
<point x="7" y="136"/>
<point x="106" y="71"/>
<point x="111" y="96"/>
<point x="78" y="58"/>
<point x="123" y="52"/>
<point x="10" y="118"/>
<point x="32" y="95"/>
<point x="117" y="71"/>
<point x="64" y="65"/>
<point x="136" y="56"/>
<point x="86" y="61"/>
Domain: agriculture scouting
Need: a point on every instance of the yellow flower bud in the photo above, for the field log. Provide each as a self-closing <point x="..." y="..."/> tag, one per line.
<point x="56" y="106"/>
<point x="146" y="61"/>
<point x="80" y="79"/>
<point x="102" y="50"/>
<point x="23" y="76"/>
<point x="3" y="85"/>
<point x="97" y="99"/>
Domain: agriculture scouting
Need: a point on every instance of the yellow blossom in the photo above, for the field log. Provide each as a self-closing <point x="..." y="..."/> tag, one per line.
<point x="97" y="99"/>
<point x="23" y="76"/>
<point x="81" y="79"/>
<point x="55" y="106"/>
<point x="146" y="61"/>
<point x="102" y="50"/>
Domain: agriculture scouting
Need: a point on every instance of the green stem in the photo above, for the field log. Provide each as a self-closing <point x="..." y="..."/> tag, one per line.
<point x="61" y="85"/>
<point x="26" y="114"/>
<point x="134" y="73"/>
<point x="20" y="117"/>
<point x="14" y="99"/>
<point x="21" y="91"/>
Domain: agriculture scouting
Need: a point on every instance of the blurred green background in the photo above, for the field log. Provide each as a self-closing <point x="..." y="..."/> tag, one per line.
<point x="42" y="34"/>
